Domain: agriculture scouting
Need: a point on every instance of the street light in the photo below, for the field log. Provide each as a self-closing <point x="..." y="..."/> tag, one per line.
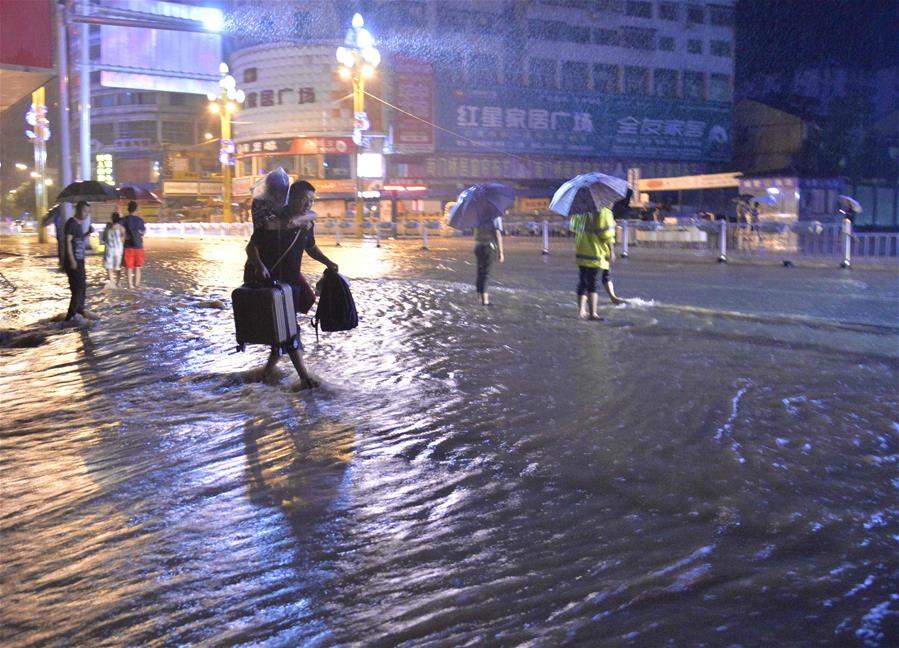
<point x="358" y="58"/>
<point x="225" y="104"/>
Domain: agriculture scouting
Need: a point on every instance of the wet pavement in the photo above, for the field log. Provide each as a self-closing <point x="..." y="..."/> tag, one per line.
<point x="714" y="464"/>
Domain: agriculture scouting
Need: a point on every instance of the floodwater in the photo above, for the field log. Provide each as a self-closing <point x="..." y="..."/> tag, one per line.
<point x="714" y="464"/>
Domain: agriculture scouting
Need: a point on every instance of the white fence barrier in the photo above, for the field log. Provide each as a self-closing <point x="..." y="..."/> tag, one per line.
<point x="768" y="240"/>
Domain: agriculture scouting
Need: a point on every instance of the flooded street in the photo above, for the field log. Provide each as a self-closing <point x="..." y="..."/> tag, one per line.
<point x="714" y="464"/>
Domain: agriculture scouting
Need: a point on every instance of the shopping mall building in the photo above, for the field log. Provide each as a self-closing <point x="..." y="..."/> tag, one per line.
<point x="527" y="93"/>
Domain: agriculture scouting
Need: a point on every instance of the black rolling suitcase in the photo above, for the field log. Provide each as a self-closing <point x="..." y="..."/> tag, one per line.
<point x="264" y="314"/>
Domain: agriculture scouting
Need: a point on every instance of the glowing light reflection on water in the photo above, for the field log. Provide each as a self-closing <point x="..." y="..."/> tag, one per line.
<point x="713" y="464"/>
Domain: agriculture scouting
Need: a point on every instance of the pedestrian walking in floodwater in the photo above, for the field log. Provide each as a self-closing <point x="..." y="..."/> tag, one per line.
<point x="480" y="208"/>
<point x="594" y="253"/>
<point x="275" y="252"/>
<point x="488" y="246"/>
<point x="114" y="240"/>
<point x="75" y="242"/>
<point x="133" y="251"/>
<point x="587" y="200"/>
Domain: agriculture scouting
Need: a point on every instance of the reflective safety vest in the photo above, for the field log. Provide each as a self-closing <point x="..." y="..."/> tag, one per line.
<point x="595" y="235"/>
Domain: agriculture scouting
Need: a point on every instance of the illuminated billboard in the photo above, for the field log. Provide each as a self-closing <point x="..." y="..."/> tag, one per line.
<point x="158" y="59"/>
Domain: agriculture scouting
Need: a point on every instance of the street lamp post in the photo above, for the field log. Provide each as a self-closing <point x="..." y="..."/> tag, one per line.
<point x="358" y="58"/>
<point x="225" y="105"/>
<point x="39" y="132"/>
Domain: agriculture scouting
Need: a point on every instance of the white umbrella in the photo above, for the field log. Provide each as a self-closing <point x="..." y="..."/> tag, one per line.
<point x="604" y="189"/>
<point x="850" y="203"/>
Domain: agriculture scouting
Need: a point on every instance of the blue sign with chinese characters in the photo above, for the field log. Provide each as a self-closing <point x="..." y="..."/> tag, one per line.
<point x="549" y="122"/>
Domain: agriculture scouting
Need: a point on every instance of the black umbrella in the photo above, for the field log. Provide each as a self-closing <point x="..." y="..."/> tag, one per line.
<point x="89" y="191"/>
<point x="138" y="194"/>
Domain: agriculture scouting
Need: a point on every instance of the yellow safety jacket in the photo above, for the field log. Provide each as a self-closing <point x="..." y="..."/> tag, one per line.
<point x="595" y="235"/>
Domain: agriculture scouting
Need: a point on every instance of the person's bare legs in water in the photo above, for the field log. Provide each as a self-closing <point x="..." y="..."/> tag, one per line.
<point x="306" y="382"/>
<point x="610" y="289"/>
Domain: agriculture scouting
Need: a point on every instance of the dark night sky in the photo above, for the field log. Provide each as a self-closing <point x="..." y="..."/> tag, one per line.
<point x="775" y="34"/>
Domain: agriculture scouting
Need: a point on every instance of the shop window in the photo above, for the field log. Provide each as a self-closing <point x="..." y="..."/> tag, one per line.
<point x="638" y="8"/>
<point x="719" y="87"/>
<point x="636" y="38"/>
<point x="574" y="75"/>
<point x="482" y="70"/>
<point x="665" y="83"/>
<point x="668" y="11"/>
<point x="542" y="73"/>
<point x="244" y="167"/>
<point x="720" y="48"/>
<point x="605" y="78"/>
<point x="309" y="166"/>
<point x="606" y="37"/>
<point x="138" y="130"/>
<point x="103" y="133"/>
<point x="636" y="80"/>
<point x="694" y="85"/>
<point x="337" y="167"/>
<point x="513" y="73"/>
<point x="286" y="162"/>
<point x="180" y="132"/>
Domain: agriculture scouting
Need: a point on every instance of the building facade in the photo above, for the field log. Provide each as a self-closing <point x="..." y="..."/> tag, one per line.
<point x="144" y="137"/>
<point x="525" y="92"/>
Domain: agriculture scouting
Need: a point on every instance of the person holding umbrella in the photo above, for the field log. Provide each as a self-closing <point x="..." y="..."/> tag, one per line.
<point x="74" y="259"/>
<point x="488" y="245"/>
<point x="587" y="199"/>
<point x="481" y="207"/>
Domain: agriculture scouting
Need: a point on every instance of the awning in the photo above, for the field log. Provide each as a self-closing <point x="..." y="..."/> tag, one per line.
<point x="21" y="82"/>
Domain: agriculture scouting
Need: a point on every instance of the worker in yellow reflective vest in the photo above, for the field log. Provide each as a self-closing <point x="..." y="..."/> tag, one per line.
<point x="594" y="251"/>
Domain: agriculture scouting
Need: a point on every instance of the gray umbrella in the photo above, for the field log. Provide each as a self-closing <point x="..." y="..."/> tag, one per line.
<point x="480" y="204"/>
<point x="605" y="190"/>
<point x="848" y="203"/>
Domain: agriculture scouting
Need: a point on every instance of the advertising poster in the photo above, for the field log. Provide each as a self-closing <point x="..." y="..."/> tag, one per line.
<point x="413" y="91"/>
<point x="549" y="122"/>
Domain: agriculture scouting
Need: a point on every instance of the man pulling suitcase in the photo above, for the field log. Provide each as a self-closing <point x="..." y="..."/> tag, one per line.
<point x="265" y="306"/>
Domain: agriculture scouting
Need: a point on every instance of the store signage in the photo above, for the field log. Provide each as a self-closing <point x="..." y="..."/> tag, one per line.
<point x="279" y="97"/>
<point x="571" y="123"/>
<point x="105" y="167"/>
<point x="707" y="181"/>
<point x="413" y="91"/>
<point x="495" y="167"/>
<point x="343" y="186"/>
<point x="296" y="146"/>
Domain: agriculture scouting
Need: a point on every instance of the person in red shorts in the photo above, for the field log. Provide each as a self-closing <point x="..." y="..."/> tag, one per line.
<point x="133" y="258"/>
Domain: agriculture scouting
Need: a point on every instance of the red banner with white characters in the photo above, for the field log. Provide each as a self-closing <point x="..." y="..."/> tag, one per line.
<point x="413" y="91"/>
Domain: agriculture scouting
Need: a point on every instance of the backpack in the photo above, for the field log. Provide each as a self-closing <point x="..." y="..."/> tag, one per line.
<point x="336" y="309"/>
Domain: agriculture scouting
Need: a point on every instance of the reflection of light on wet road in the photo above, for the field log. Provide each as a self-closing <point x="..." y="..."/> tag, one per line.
<point x="510" y="475"/>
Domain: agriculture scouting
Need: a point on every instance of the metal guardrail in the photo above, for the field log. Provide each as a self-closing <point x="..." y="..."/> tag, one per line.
<point x="720" y="240"/>
<point x="774" y="240"/>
